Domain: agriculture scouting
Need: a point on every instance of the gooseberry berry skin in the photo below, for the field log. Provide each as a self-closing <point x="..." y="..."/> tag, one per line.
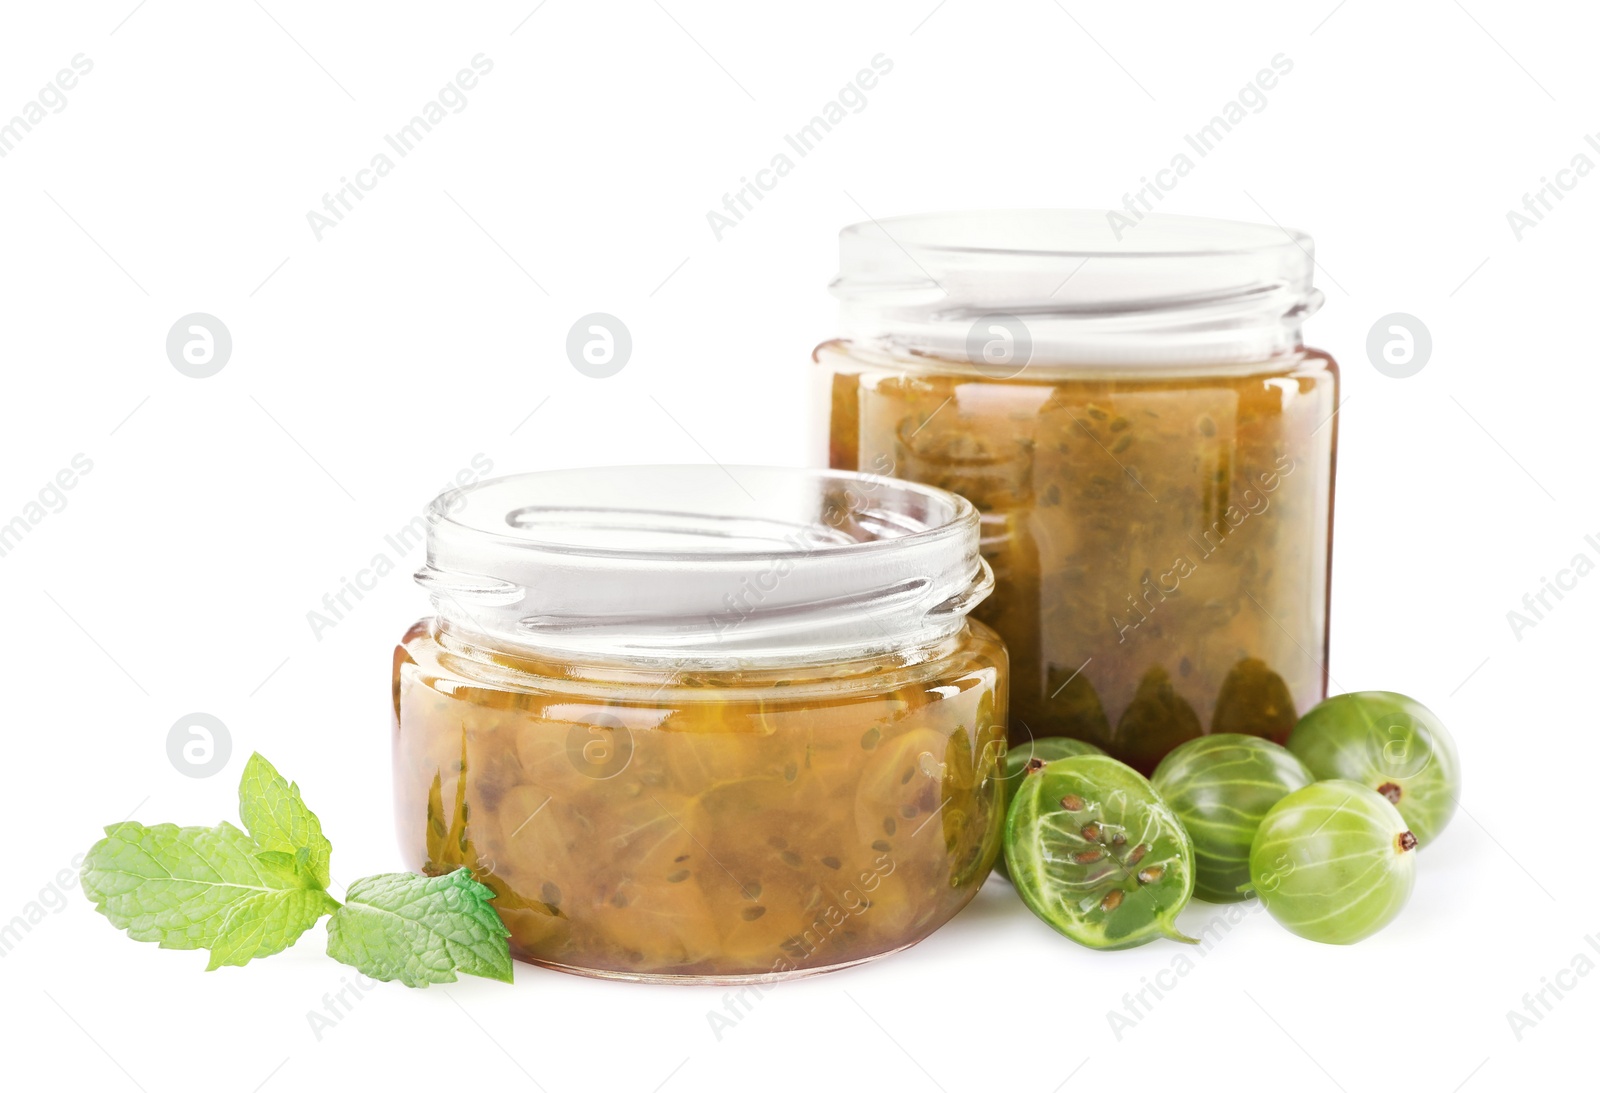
<point x="1389" y="743"/>
<point x="1096" y="854"/>
<point x="1221" y="786"/>
<point x="1333" y="862"/>
<point x="1042" y="749"/>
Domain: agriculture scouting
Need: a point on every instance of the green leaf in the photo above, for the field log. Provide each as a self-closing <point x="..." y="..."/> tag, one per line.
<point x="420" y="930"/>
<point x="244" y="896"/>
<point x="279" y="820"/>
<point x="200" y="888"/>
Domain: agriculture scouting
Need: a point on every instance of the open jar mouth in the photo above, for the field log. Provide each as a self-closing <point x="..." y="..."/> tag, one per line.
<point x="705" y="566"/>
<point x="1072" y="288"/>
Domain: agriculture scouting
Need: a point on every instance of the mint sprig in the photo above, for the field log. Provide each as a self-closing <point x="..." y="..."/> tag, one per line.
<point x="420" y="930"/>
<point x="243" y="895"/>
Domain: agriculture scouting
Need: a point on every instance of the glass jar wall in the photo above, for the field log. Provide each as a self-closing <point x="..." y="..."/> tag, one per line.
<point x="686" y="731"/>
<point x="1149" y="445"/>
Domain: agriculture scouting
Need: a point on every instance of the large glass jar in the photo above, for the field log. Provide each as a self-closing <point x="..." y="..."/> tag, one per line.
<point x="703" y="723"/>
<point x="1151" y="448"/>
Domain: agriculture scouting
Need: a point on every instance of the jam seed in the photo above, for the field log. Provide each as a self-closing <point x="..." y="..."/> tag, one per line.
<point x="1136" y="855"/>
<point x="1084" y="857"/>
<point x="750" y="914"/>
<point x="1152" y="874"/>
<point x="831" y="862"/>
<point x="1091" y="831"/>
<point x="678" y="877"/>
<point x="1072" y="803"/>
<point x="1112" y="901"/>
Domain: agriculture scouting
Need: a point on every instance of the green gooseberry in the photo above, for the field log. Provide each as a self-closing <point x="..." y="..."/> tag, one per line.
<point x="1075" y="706"/>
<point x="1039" y="750"/>
<point x="1221" y="786"/>
<point x="1389" y="743"/>
<point x="1094" y="852"/>
<point x="1333" y="862"/>
<point x="1254" y="700"/>
<point x="1156" y="720"/>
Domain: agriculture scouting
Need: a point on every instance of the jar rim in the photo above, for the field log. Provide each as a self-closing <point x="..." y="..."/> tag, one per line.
<point x="704" y="562"/>
<point x="481" y="499"/>
<point x="1077" y="233"/>
<point x="1075" y="287"/>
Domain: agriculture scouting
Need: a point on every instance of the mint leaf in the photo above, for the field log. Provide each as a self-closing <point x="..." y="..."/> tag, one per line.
<point x="279" y="821"/>
<point x="420" y="930"/>
<point x="267" y="924"/>
<point x="200" y="888"/>
<point x="244" y="896"/>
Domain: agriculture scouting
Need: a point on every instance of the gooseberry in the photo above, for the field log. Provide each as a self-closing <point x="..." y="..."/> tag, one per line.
<point x="1333" y="862"/>
<point x="1095" y="853"/>
<point x="1155" y="721"/>
<point x="1221" y="786"/>
<point x="1389" y="743"/>
<point x="1254" y="700"/>
<point x="1039" y="750"/>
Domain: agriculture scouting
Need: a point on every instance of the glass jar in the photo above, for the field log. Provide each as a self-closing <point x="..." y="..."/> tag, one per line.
<point x="1151" y="447"/>
<point x="703" y="723"/>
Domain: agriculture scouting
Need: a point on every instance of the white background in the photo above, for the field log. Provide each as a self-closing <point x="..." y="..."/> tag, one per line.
<point x="372" y="365"/>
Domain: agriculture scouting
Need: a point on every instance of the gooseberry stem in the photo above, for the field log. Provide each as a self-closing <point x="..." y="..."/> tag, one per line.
<point x="1170" y="930"/>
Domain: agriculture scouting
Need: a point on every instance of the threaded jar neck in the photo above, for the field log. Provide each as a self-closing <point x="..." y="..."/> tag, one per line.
<point x="704" y="565"/>
<point x="1067" y="290"/>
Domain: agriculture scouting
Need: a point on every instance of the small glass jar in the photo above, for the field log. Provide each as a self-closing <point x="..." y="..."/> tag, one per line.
<point x="703" y="723"/>
<point x="1151" y="447"/>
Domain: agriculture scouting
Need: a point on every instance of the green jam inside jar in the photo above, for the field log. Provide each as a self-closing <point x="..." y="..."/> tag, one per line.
<point x="1160" y="541"/>
<point x="721" y="825"/>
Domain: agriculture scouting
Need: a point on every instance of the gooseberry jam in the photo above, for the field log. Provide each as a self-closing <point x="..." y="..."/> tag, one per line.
<point x="685" y="731"/>
<point x="1150" y="447"/>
